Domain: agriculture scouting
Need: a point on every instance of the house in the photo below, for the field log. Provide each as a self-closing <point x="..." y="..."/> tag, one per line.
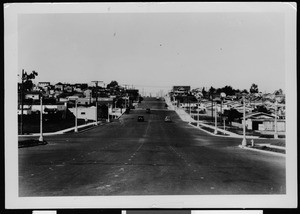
<point x="269" y="125"/>
<point x="57" y="106"/>
<point x="43" y="84"/>
<point x="59" y="86"/>
<point x="34" y="95"/>
<point x="263" y="122"/>
<point x="84" y="101"/>
<point x="80" y="87"/>
<point x="73" y="98"/>
<point x="77" y="89"/>
<point x="105" y="101"/>
<point x="26" y="111"/>
<point x="87" y="93"/>
<point x="68" y="88"/>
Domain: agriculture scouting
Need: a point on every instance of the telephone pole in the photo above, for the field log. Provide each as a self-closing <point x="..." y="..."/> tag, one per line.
<point x="244" y="142"/>
<point x="22" y="88"/>
<point x="276" y="129"/>
<point x="96" y="82"/>
<point x="216" y="119"/>
<point x="41" y="139"/>
<point x="212" y="107"/>
<point x="76" y="116"/>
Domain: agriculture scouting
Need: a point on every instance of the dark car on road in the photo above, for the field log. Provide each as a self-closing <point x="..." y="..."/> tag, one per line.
<point x="148" y="111"/>
<point x="140" y="119"/>
<point x="168" y="119"/>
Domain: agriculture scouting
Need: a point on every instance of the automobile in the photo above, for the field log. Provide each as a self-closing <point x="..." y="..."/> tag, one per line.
<point x="148" y="110"/>
<point x="168" y="119"/>
<point x="140" y="119"/>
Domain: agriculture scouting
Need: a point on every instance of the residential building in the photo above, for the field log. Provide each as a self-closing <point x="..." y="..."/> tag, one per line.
<point x="68" y="88"/>
<point x="43" y="84"/>
<point x="34" y="95"/>
<point x="45" y="87"/>
<point x="87" y="93"/>
<point x="263" y="122"/>
<point x="59" y="86"/>
<point x="84" y="101"/>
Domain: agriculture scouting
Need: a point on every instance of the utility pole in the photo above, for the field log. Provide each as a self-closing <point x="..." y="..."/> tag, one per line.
<point x="115" y="109"/>
<point x="41" y="139"/>
<point x="276" y="132"/>
<point x="198" y="113"/>
<point x="22" y="89"/>
<point x="108" y="112"/>
<point x="216" y="119"/>
<point x="244" y="142"/>
<point x="96" y="82"/>
<point x="212" y="107"/>
<point x="190" y="111"/>
<point x="76" y="115"/>
<point x="223" y="95"/>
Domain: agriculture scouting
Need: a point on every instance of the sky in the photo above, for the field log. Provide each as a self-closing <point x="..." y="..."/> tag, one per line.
<point x="155" y="51"/>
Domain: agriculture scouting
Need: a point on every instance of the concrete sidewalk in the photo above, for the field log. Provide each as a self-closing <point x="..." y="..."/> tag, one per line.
<point x="187" y="118"/>
<point x="61" y="131"/>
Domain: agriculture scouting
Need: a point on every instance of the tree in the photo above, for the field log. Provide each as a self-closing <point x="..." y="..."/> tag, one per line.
<point x="228" y="90"/>
<point x="112" y="84"/>
<point x="237" y="91"/>
<point x="245" y="91"/>
<point x="27" y="80"/>
<point x="204" y="92"/>
<point x="212" y="90"/>
<point x="232" y="114"/>
<point x="219" y="90"/>
<point x="278" y="92"/>
<point x="253" y="88"/>
<point x="141" y="99"/>
<point x="103" y="111"/>
<point x="262" y="109"/>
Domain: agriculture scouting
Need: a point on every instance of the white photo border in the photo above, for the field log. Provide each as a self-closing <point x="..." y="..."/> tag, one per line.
<point x="13" y="201"/>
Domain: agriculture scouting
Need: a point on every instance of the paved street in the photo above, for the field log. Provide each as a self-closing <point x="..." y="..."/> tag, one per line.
<point x="127" y="157"/>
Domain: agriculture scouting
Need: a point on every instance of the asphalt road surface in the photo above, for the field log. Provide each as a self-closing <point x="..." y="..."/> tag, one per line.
<point x="127" y="157"/>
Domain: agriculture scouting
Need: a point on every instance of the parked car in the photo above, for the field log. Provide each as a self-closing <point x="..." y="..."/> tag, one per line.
<point x="148" y="111"/>
<point x="168" y="119"/>
<point x="140" y="119"/>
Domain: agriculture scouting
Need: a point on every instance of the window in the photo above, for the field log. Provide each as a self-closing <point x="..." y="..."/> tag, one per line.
<point x="82" y="113"/>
